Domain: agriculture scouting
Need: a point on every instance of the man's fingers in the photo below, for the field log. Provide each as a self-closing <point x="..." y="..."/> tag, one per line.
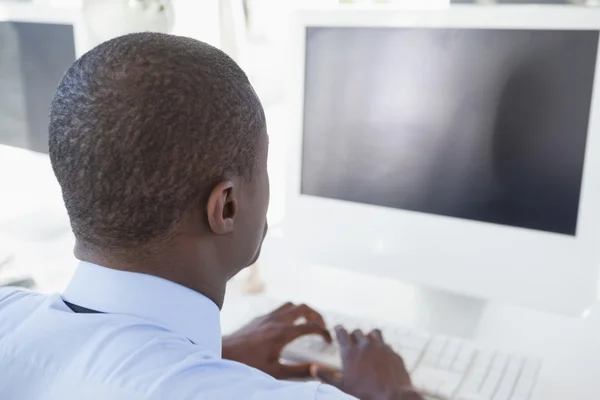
<point x="326" y="375"/>
<point x="342" y="337"/>
<point x="376" y="337"/>
<point x="295" y="331"/>
<point x="282" y="308"/>
<point x="294" y="371"/>
<point x="359" y="338"/>
<point x="294" y="313"/>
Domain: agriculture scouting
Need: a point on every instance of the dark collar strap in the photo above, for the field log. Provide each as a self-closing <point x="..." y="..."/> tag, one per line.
<point x="80" y="310"/>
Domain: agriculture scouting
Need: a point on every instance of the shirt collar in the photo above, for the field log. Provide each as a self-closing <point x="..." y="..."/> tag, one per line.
<point x="169" y="304"/>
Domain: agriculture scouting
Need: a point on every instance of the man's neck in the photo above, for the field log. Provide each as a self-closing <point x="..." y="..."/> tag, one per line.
<point x="191" y="272"/>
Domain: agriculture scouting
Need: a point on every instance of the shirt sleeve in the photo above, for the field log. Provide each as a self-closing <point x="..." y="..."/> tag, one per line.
<point x="327" y="392"/>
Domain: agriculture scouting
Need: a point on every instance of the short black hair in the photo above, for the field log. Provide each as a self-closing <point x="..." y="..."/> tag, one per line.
<point x="141" y="127"/>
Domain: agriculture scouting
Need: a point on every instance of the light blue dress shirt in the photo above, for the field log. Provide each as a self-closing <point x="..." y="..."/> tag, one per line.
<point x="154" y="340"/>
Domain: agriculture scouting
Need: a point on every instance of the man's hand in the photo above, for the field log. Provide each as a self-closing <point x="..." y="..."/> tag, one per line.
<point x="371" y="370"/>
<point x="259" y="343"/>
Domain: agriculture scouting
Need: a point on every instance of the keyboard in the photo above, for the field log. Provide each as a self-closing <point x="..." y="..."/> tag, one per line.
<point x="441" y="367"/>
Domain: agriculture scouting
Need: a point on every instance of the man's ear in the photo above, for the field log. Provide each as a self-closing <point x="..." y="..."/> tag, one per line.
<point x="222" y="208"/>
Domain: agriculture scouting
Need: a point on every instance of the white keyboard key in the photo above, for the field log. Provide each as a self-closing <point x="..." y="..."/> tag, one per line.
<point x="332" y="350"/>
<point x="449" y="387"/>
<point x="423" y="374"/>
<point x="514" y="366"/>
<point x="469" y="387"/>
<point x="318" y="344"/>
<point x="431" y="385"/>
<point x="491" y="383"/>
<point x="531" y="367"/>
<point x="433" y="380"/>
<point x="452" y="347"/>
<point x="502" y="395"/>
<point x="499" y="362"/>
<point x="461" y="365"/>
<point x="509" y="379"/>
<point x="301" y="350"/>
<point x="438" y="343"/>
<point x="508" y="382"/>
<point x="411" y="358"/>
<point x="446" y="361"/>
<point x="484" y="359"/>
<point x="426" y="384"/>
<point x="434" y="351"/>
<point x="476" y="378"/>
<point x="473" y="396"/>
<point x="303" y="342"/>
<point x="467" y="350"/>
<point x="417" y="342"/>
<point x="524" y="386"/>
<point x="464" y="359"/>
<point x="430" y="358"/>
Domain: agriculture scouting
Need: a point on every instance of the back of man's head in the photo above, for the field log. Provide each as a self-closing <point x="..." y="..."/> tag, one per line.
<point x="141" y="128"/>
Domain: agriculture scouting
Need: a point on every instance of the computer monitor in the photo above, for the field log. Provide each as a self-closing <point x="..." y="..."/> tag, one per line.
<point x="38" y="43"/>
<point x="457" y="149"/>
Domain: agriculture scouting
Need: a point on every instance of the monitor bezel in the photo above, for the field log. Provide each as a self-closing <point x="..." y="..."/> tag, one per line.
<point x="37" y="13"/>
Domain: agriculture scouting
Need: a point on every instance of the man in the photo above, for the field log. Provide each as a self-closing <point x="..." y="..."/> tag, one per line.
<point x="160" y="146"/>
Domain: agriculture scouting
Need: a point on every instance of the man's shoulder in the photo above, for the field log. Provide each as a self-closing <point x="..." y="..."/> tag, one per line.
<point x="12" y="296"/>
<point x="167" y="367"/>
<point x="8" y="291"/>
<point x="16" y="307"/>
<point x="130" y="355"/>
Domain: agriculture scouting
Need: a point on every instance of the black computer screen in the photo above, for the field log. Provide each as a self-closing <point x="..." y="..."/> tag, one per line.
<point x="485" y="125"/>
<point x="33" y="58"/>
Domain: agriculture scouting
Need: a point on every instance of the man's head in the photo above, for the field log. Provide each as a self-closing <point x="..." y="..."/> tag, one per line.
<point x="159" y="144"/>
